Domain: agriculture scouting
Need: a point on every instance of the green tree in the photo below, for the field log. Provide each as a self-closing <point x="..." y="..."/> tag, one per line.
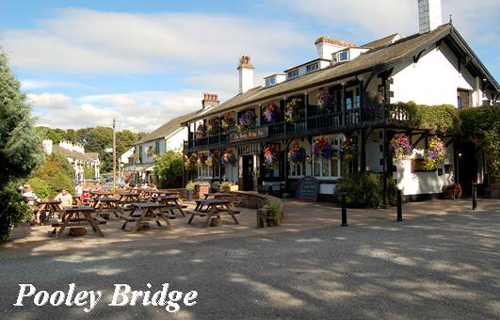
<point x="20" y="148"/>
<point x="169" y="168"/>
<point x="57" y="173"/>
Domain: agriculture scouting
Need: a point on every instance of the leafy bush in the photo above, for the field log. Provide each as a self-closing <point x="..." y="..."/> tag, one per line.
<point x="274" y="209"/>
<point x="40" y="187"/>
<point x="169" y="167"/>
<point x="365" y="190"/>
<point x="190" y="186"/>
<point x="482" y="126"/>
<point x="89" y="173"/>
<point x="57" y="173"/>
<point x="14" y="209"/>
<point x="442" y="118"/>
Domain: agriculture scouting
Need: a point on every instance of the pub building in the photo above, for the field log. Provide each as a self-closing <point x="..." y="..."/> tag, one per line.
<point x="336" y="115"/>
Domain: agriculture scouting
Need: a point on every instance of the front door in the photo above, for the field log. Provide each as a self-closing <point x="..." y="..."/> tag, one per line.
<point x="248" y="173"/>
<point x="467" y="167"/>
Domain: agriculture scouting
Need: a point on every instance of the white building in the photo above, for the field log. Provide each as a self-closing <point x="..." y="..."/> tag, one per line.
<point x="434" y="66"/>
<point x="76" y="156"/>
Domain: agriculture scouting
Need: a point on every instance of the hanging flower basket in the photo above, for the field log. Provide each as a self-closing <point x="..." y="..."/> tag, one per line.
<point x="271" y="111"/>
<point x="227" y="122"/>
<point x="246" y="121"/>
<point x="270" y="156"/>
<point x="213" y="158"/>
<point x="293" y="110"/>
<point x="191" y="161"/>
<point x="401" y="148"/>
<point x="228" y="157"/>
<point x="323" y="148"/>
<point x="348" y="149"/>
<point x="296" y="153"/>
<point x="202" y="159"/>
<point x="201" y="129"/>
<point x="213" y="126"/>
<point x="325" y="100"/>
<point x="435" y="154"/>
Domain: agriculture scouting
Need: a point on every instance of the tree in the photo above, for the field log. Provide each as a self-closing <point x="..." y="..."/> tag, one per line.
<point x="20" y="148"/>
<point x="169" y="168"/>
<point x="57" y="173"/>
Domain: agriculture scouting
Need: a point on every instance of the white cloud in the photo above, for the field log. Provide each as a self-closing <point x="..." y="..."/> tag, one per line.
<point x="139" y="111"/>
<point x="31" y="84"/>
<point x="88" y="41"/>
<point x="367" y="19"/>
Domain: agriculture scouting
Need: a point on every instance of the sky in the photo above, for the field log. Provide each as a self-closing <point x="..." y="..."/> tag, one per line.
<point x="143" y="62"/>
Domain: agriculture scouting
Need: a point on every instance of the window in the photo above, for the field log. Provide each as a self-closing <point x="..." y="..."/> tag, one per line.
<point x="292" y="74"/>
<point x="205" y="171"/>
<point x="327" y="168"/>
<point x="270" y="81"/>
<point x="463" y="99"/>
<point x="343" y="56"/>
<point x="352" y="99"/>
<point x="312" y="67"/>
<point x="297" y="170"/>
<point x="157" y="147"/>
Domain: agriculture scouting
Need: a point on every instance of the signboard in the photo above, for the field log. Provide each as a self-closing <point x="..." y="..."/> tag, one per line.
<point x="250" y="134"/>
<point x="308" y="189"/>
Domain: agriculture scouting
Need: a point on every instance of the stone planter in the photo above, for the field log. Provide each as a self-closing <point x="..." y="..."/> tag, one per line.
<point x="189" y="195"/>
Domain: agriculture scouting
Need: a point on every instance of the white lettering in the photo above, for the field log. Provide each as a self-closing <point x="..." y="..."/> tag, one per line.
<point x="93" y="300"/>
<point x="57" y="298"/>
<point x="117" y="293"/>
<point x="191" y="295"/>
<point x="22" y="294"/>
<point x="43" y="296"/>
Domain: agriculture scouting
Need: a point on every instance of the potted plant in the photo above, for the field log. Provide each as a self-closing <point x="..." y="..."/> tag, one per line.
<point x="190" y="186"/>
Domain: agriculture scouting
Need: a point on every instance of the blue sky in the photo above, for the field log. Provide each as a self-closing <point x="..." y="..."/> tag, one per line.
<point x="143" y="62"/>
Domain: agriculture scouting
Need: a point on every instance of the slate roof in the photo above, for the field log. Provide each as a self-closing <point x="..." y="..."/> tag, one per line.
<point x="167" y="128"/>
<point x="374" y="59"/>
<point x="72" y="154"/>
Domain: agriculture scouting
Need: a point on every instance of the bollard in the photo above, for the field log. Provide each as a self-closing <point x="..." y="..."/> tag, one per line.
<point x="400" y="206"/>
<point x="344" y="209"/>
<point x="474" y="196"/>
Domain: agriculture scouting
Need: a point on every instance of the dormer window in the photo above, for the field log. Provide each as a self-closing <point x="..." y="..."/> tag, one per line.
<point x="292" y="74"/>
<point x="343" y="56"/>
<point x="312" y="67"/>
<point x="270" y="81"/>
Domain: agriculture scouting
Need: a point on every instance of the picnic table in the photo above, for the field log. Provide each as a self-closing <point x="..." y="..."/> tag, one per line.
<point x="129" y="197"/>
<point x="172" y="203"/>
<point x="108" y="205"/>
<point x="71" y="218"/>
<point x="99" y="194"/>
<point x="215" y="207"/>
<point x="150" y="211"/>
<point x="52" y="206"/>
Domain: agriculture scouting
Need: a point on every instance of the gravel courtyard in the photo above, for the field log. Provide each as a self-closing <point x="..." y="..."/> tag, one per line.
<point x="430" y="267"/>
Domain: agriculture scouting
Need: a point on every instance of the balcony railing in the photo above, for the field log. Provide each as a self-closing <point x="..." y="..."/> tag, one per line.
<point x="324" y="122"/>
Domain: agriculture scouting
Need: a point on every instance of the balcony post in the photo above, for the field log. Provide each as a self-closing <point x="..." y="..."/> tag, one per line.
<point x="283" y="102"/>
<point x="306" y="103"/>
<point x="342" y="105"/>
<point x="361" y="102"/>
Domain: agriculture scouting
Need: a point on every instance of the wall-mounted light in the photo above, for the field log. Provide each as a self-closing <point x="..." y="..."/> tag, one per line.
<point x="460" y="155"/>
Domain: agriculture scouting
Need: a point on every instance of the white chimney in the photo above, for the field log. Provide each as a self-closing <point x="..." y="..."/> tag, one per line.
<point x="429" y="15"/>
<point x="325" y="46"/>
<point x="245" y="69"/>
<point x="47" y="146"/>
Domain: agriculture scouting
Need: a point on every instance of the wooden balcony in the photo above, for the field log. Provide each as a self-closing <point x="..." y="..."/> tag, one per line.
<point x="351" y="119"/>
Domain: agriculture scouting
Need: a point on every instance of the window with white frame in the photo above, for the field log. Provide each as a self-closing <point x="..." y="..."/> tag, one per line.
<point x="327" y="168"/>
<point x="270" y="81"/>
<point x="343" y="56"/>
<point x="205" y="171"/>
<point x="292" y="74"/>
<point x="312" y="67"/>
<point x="297" y="170"/>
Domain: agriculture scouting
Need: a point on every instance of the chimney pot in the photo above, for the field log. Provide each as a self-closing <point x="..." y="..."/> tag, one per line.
<point x="429" y="15"/>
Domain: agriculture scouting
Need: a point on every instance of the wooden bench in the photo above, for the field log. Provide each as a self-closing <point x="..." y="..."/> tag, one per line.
<point x="100" y="220"/>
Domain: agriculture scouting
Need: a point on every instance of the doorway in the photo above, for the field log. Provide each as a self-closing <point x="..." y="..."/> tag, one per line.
<point x="247" y="173"/>
<point x="467" y="167"/>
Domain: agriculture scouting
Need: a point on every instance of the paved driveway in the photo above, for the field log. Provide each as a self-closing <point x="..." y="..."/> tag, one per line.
<point x="431" y="267"/>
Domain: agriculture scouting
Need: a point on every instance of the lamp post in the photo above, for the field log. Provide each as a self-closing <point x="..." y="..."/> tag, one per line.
<point x="114" y="154"/>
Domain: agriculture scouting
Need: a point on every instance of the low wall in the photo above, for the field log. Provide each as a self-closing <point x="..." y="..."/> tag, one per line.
<point x="255" y="200"/>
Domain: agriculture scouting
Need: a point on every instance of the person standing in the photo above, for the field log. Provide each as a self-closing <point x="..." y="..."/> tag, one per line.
<point x="31" y="198"/>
